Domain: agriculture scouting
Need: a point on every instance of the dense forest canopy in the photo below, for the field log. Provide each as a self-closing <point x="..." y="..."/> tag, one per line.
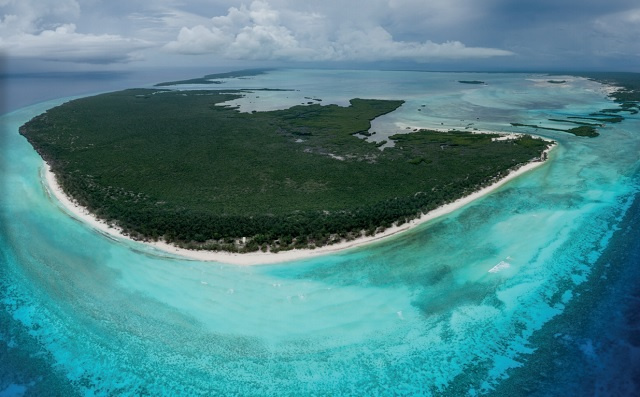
<point x="176" y="165"/>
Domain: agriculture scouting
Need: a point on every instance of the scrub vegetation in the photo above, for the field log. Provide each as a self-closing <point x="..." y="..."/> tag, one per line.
<point x="175" y="165"/>
<point x="583" y="130"/>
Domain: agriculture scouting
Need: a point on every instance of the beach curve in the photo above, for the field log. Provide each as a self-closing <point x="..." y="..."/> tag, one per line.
<point x="75" y="210"/>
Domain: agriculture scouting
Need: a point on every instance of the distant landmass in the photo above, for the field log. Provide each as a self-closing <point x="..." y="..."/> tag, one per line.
<point x="216" y="77"/>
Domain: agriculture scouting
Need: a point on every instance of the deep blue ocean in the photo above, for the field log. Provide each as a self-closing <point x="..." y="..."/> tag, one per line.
<point x="531" y="290"/>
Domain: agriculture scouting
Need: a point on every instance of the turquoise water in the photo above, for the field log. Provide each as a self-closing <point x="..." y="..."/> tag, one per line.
<point x="451" y="307"/>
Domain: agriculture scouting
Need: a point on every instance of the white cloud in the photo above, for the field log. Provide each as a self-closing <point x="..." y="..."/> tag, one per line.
<point x="263" y="33"/>
<point x="199" y="40"/>
<point x="64" y="44"/>
<point x="27" y="16"/>
<point x="377" y="44"/>
<point x="542" y="32"/>
<point x="41" y="29"/>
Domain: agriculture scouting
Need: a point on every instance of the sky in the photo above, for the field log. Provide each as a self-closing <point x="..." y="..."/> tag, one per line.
<point x="531" y="35"/>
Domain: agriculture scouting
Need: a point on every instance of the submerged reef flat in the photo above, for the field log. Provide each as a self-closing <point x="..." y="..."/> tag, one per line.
<point x="624" y="91"/>
<point x="175" y="166"/>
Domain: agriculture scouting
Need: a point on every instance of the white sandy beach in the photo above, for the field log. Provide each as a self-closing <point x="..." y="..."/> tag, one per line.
<point x="257" y="258"/>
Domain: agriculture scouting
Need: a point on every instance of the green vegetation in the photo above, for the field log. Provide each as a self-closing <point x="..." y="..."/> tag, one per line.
<point x="576" y="122"/>
<point x="174" y="165"/>
<point x="215" y="78"/>
<point x="623" y="108"/>
<point x="471" y="82"/>
<point x="627" y="96"/>
<point x="629" y="84"/>
<point x="602" y="118"/>
<point x="584" y="130"/>
<point x="265" y="89"/>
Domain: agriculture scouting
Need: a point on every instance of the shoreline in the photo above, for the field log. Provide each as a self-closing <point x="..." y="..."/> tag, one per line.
<point x="68" y="205"/>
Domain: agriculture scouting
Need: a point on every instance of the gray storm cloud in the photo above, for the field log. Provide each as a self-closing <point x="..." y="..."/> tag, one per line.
<point x="498" y="34"/>
<point x="263" y="33"/>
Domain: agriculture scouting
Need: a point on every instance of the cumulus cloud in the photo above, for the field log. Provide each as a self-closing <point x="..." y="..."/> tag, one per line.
<point x="261" y="32"/>
<point x="378" y="44"/>
<point x="40" y="29"/>
<point x="543" y="33"/>
<point x="64" y="44"/>
<point x="26" y="15"/>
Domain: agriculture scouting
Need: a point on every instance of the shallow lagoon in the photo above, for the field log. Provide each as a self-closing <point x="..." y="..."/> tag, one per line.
<point x="449" y="307"/>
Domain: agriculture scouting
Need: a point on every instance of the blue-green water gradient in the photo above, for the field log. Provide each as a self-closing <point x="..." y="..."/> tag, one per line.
<point x="417" y="314"/>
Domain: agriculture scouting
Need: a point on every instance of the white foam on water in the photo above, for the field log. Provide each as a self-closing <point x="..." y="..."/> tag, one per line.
<point x="500" y="267"/>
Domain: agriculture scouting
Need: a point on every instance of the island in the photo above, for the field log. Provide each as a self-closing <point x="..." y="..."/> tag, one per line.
<point x="215" y="78"/>
<point x="477" y="82"/>
<point x="180" y="167"/>
<point x="582" y="130"/>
